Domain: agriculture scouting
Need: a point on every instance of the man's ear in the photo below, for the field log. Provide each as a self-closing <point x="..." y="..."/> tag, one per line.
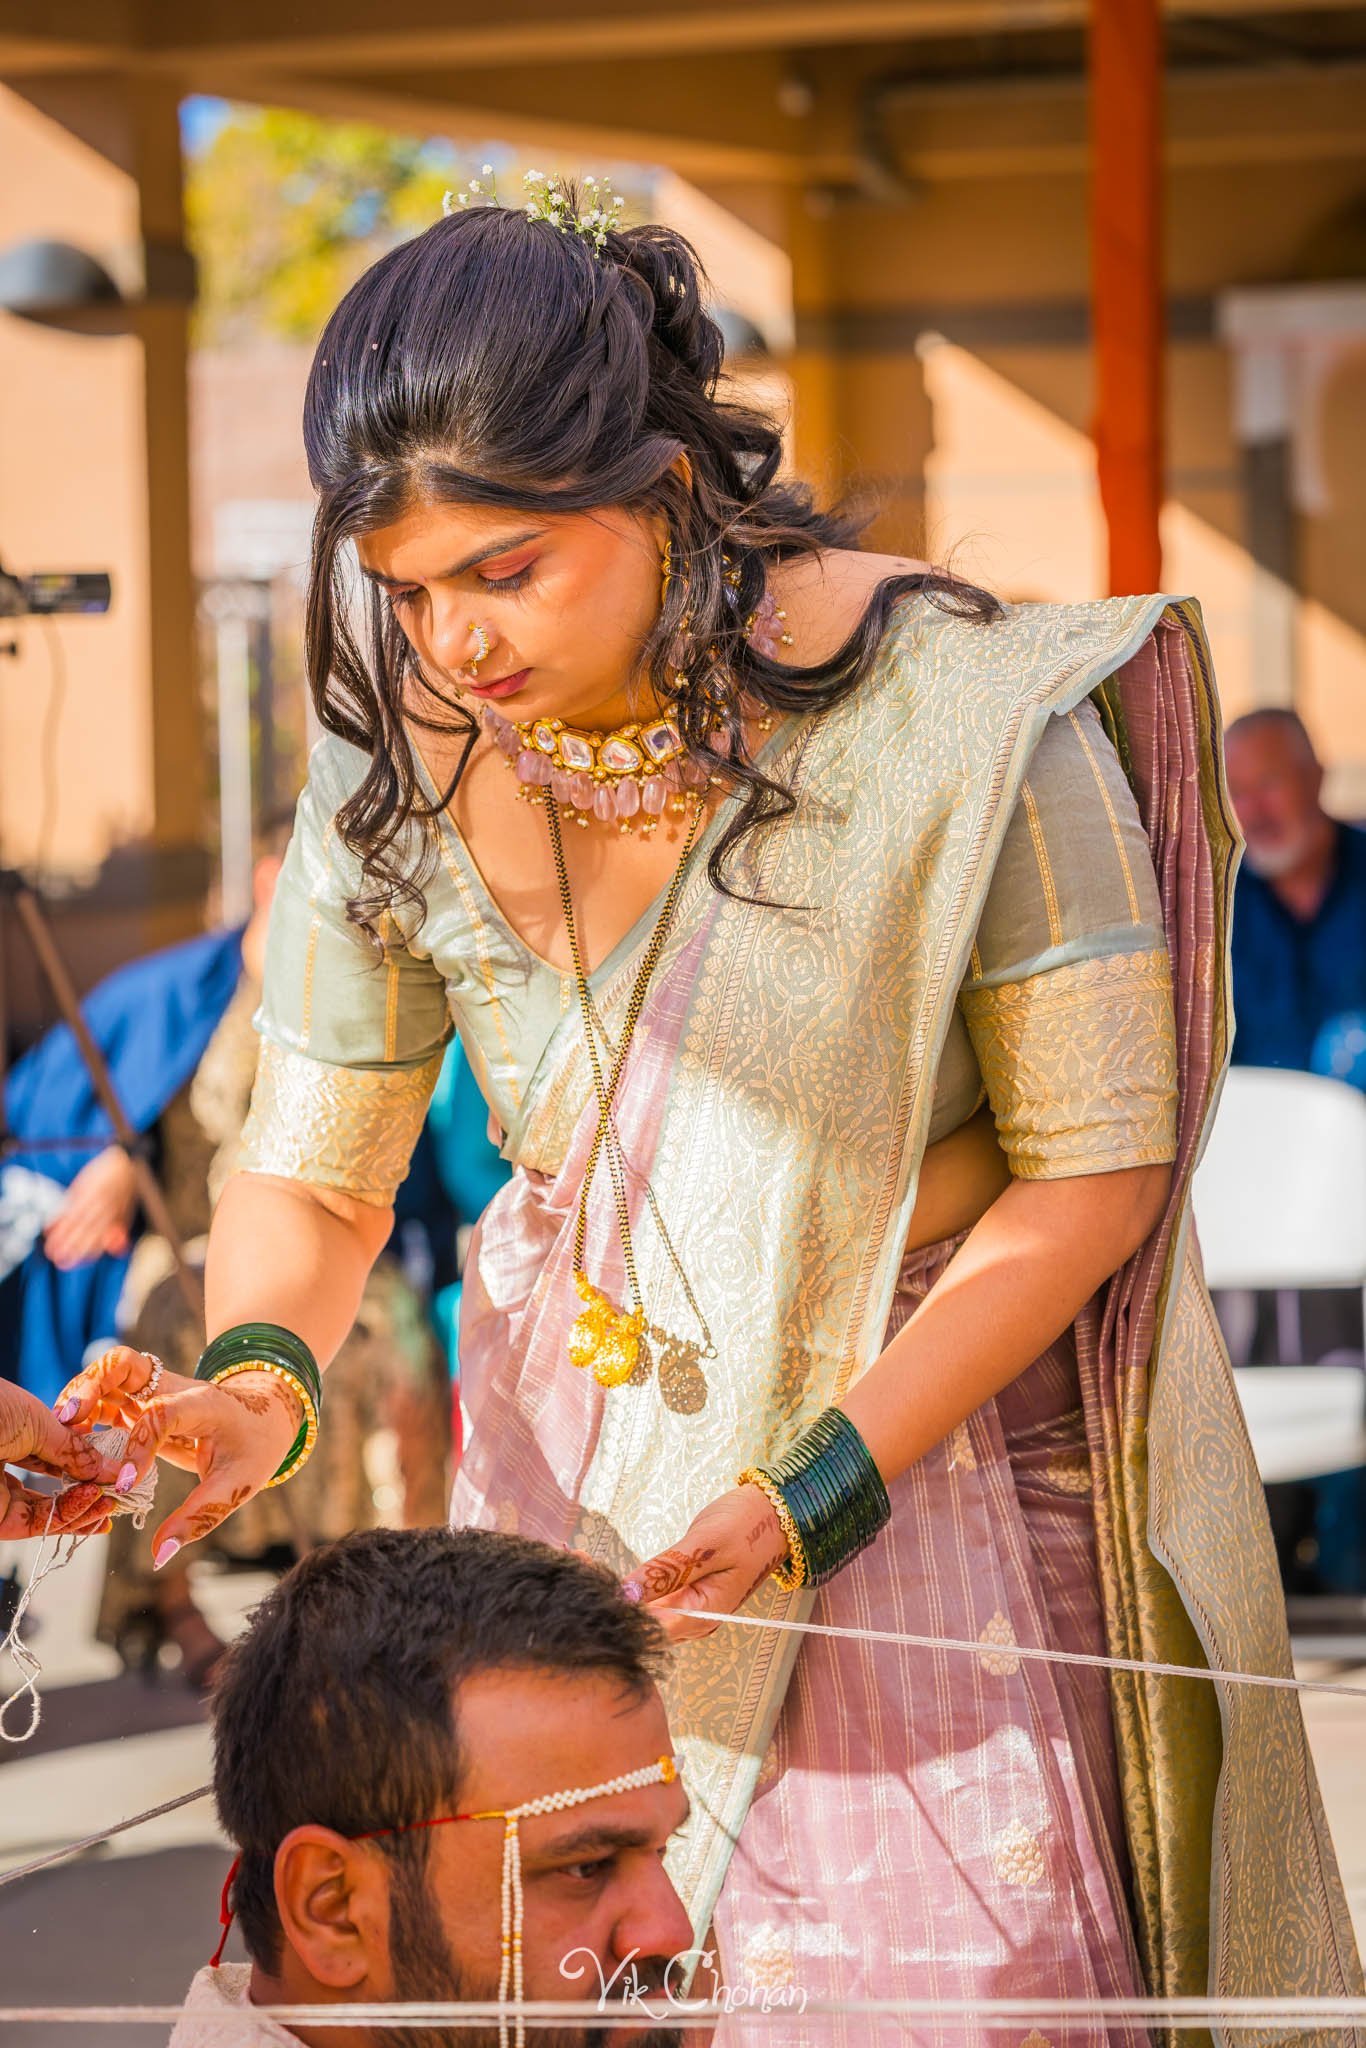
<point x="333" y="1900"/>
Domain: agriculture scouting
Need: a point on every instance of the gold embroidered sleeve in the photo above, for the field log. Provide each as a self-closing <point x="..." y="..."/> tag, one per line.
<point x="1080" y="1065"/>
<point x="328" y="992"/>
<point x="349" y="1128"/>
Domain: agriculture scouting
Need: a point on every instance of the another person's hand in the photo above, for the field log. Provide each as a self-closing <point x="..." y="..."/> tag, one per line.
<point x="98" y="1211"/>
<point x="31" y="1436"/>
<point x="235" y="1437"/>
<point x="726" y="1553"/>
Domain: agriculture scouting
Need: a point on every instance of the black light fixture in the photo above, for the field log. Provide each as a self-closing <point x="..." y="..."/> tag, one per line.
<point x="55" y="284"/>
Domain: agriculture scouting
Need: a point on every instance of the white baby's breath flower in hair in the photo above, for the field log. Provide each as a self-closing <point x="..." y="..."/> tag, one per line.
<point x="548" y="200"/>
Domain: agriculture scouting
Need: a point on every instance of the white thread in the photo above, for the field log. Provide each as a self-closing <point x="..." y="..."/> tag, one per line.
<point x="118" y="1827"/>
<point x="1282" y="2013"/>
<point x="978" y="1648"/>
<point x="801" y="1628"/>
<point x="18" y="1651"/>
<point x="112" y="1443"/>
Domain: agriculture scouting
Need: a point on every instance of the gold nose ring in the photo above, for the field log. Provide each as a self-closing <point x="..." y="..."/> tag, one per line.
<point x="482" y="639"/>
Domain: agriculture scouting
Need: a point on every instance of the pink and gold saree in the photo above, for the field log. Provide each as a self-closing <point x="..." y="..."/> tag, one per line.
<point x="872" y="1820"/>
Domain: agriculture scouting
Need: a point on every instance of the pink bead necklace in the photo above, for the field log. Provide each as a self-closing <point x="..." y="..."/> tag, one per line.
<point x="625" y="778"/>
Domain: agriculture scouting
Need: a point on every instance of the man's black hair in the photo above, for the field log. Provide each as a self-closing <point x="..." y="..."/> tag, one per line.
<point x="340" y="1703"/>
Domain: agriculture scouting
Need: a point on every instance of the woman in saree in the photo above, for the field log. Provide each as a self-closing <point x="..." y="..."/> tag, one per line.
<point x="850" y="997"/>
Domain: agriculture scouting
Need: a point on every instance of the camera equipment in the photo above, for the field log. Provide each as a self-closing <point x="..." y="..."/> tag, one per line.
<point x="52" y="592"/>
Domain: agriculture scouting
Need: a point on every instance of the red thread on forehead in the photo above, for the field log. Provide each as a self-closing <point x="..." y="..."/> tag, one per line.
<point x="663" y="1772"/>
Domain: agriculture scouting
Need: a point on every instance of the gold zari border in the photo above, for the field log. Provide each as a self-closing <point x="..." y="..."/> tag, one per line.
<point x="1080" y="1065"/>
<point x="349" y="1128"/>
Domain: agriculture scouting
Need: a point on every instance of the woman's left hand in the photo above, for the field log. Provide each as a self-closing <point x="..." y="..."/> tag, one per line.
<point x="232" y="1436"/>
<point x="726" y="1553"/>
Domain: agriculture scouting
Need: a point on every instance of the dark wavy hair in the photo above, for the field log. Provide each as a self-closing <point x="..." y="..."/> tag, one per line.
<point x="496" y="360"/>
<point x="340" y="1704"/>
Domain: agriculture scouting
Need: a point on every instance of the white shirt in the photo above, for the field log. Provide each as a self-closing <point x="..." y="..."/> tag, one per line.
<point x="213" y="1992"/>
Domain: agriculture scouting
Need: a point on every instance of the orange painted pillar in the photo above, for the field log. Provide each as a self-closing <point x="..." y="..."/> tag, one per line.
<point x="1127" y="301"/>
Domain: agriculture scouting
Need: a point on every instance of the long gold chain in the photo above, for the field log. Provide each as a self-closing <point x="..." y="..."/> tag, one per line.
<point x="604" y="1336"/>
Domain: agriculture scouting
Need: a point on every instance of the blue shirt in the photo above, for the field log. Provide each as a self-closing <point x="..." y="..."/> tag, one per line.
<point x="1290" y="974"/>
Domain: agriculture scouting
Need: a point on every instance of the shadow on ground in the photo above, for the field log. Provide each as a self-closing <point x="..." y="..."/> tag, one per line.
<point x="130" y="1929"/>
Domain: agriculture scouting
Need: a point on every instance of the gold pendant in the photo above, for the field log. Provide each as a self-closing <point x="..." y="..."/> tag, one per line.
<point x="682" y="1382"/>
<point x="604" y="1337"/>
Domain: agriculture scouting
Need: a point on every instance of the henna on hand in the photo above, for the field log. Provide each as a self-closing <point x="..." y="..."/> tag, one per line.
<point x="31" y="1436"/>
<point x="259" y="1394"/>
<point x="255" y="1403"/>
<point x="77" y="1511"/>
<point x="670" y="1571"/>
<point x="207" y="1518"/>
<point x="84" y="1460"/>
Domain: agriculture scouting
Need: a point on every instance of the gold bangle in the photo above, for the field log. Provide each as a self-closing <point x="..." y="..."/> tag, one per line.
<point x="792" y="1575"/>
<point x="310" y="1413"/>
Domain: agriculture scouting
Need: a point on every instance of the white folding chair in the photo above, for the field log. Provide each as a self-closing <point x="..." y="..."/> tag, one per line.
<point x="1280" y="1203"/>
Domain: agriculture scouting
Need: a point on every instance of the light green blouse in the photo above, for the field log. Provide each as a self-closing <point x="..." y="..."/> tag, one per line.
<point x="1064" y="1023"/>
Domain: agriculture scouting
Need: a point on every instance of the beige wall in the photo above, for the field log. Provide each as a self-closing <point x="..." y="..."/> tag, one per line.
<point x="72" y="496"/>
<point x="246" y="409"/>
<point x="102" y="759"/>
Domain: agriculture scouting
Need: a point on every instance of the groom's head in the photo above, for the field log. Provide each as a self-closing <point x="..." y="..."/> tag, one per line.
<point x="393" y="1688"/>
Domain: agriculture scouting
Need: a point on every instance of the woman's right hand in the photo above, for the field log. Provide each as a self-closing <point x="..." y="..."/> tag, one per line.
<point x="32" y="1437"/>
<point x="234" y="1436"/>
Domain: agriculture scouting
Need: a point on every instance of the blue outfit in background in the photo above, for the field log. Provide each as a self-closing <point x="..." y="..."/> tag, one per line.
<point x="1299" y="994"/>
<point x="152" y="1020"/>
<point x="1294" y="976"/>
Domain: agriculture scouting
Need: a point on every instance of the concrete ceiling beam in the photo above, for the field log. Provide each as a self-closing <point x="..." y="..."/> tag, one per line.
<point x="932" y="134"/>
<point x="47" y="35"/>
<point x="589" y="131"/>
<point x="1280" y="114"/>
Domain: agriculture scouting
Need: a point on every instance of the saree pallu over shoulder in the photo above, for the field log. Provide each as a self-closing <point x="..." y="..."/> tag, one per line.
<point x="779" y="1098"/>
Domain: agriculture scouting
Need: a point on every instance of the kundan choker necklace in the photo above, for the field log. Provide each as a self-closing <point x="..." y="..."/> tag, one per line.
<point x="626" y="777"/>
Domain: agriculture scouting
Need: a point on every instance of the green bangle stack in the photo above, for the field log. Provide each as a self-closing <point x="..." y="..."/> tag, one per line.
<point x="834" y="1496"/>
<point x="269" y="1348"/>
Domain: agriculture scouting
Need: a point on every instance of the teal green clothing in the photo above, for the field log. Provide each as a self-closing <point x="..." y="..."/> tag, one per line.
<point x="468" y="1167"/>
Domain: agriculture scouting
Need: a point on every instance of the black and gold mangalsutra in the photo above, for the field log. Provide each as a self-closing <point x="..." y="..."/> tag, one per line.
<point x="621" y="778"/>
<point x="609" y="1339"/>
